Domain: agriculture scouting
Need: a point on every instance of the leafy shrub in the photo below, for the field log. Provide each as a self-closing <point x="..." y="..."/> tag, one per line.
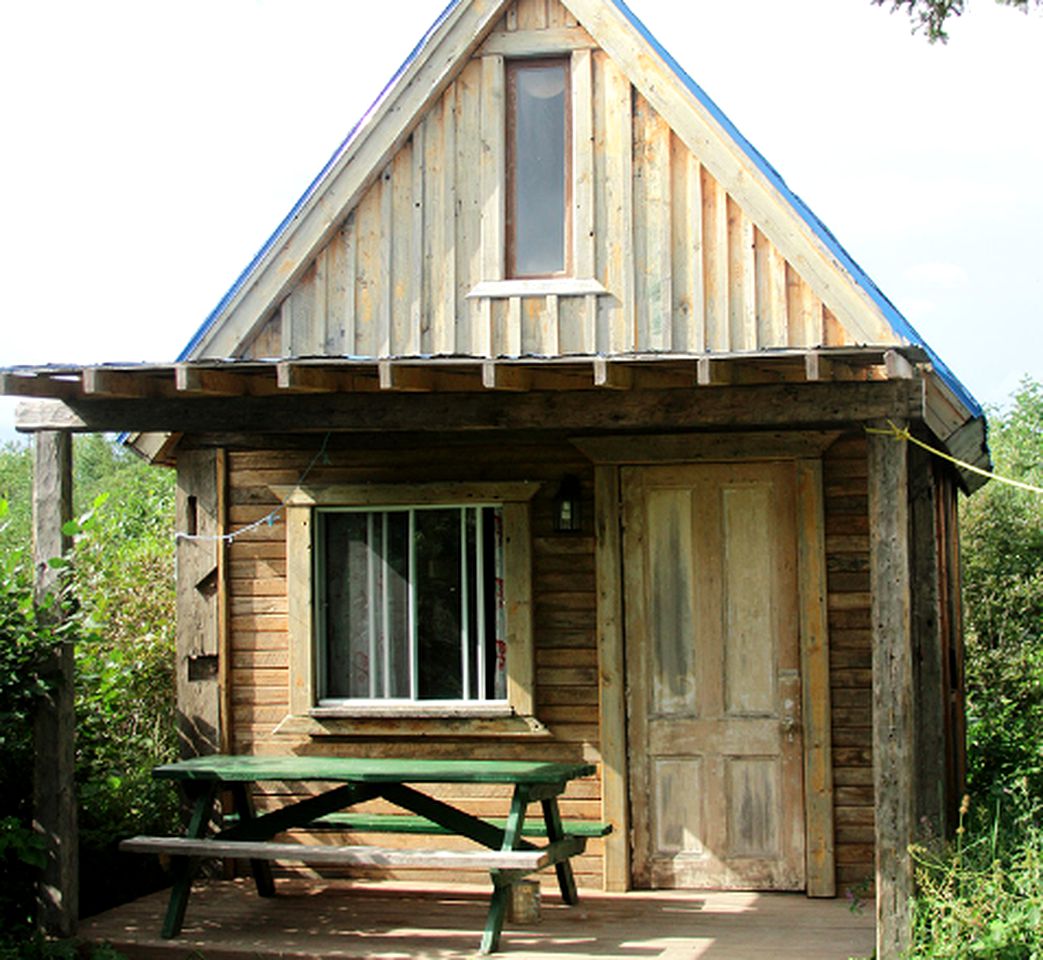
<point x="1002" y="543"/>
<point x="982" y="898"/>
<point x="120" y="598"/>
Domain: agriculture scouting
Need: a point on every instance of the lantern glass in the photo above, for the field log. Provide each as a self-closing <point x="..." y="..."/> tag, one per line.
<point x="568" y="514"/>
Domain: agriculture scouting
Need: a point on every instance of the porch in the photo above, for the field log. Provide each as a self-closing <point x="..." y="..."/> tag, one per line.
<point x="337" y="920"/>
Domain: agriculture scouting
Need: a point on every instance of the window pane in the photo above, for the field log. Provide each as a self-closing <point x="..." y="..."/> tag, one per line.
<point x="539" y="165"/>
<point x="438" y="604"/>
<point x="413" y="604"/>
<point x="348" y="571"/>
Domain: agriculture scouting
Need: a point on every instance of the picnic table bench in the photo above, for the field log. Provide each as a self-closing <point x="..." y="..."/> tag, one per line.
<point x="502" y="847"/>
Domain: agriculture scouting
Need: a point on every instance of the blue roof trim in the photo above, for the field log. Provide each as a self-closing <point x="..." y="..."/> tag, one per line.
<point x="240" y="281"/>
<point x="898" y="322"/>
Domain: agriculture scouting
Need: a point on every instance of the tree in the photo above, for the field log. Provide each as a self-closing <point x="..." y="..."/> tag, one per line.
<point x="1002" y="542"/>
<point x="931" y="15"/>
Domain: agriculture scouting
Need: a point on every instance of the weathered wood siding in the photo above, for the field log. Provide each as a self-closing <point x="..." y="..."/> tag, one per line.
<point x="850" y="636"/>
<point x="682" y="265"/>
<point x="564" y="627"/>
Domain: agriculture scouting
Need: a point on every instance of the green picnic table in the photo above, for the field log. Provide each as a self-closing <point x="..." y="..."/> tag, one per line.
<point x="346" y="781"/>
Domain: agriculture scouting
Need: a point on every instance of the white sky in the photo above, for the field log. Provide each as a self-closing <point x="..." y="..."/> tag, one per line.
<point x="149" y="148"/>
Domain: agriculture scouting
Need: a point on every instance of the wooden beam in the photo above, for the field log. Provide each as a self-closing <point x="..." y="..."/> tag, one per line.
<point x="36" y="385"/>
<point x="611" y="678"/>
<point x="295" y="377"/>
<point x="893" y="706"/>
<point x="897" y="367"/>
<point x="500" y="376"/>
<point x="394" y="376"/>
<point x="697" y="447"/>
<point x="199" y="566"/>
<point x="814" y="657"/>
<point x="713" y="372"/>
<point x="54" y="723"/>
<point x="98" y="381"/>
<point x="217" y="383"/>
<point x="553" y="41"/>
<point x="818" y="368"/>
<point x="612" y="376"/>
<point x="929" y="669"/>
<point x="768" y="406"/>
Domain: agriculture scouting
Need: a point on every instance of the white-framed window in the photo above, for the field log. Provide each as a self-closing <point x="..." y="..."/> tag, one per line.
<point x="539" y="168"/>
<point x="410" y="603"/>
<point x="410" y="599"/>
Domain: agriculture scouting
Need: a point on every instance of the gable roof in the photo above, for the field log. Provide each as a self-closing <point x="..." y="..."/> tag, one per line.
<point x="619" y="31"/>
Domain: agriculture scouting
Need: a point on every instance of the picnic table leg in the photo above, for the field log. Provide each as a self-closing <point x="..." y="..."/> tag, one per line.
<point x="183" y="868"/>
<point x="261" y="869"/>
<point x="555" y="832"/>
<point x="512" y="839"/>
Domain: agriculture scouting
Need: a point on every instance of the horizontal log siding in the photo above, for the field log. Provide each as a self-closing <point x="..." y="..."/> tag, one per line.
<point x="683" y="266"/>
<point x="564" y="599"/>
<point x="847" y="559"/>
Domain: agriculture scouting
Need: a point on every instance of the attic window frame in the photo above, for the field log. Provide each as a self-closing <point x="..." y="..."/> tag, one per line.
<point x="512" y="68"/>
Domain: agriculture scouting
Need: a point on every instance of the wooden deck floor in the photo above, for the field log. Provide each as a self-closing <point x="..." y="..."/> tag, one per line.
<point x="342" y="920"/>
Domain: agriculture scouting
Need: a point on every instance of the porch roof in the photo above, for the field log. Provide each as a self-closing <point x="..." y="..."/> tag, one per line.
<point x="354" y="393"/>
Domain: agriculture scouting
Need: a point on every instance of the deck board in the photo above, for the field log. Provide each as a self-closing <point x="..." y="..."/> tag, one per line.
<point x="338" y="920"/>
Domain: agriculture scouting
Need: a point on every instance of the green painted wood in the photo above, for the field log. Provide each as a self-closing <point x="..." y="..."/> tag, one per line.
<point x="261" y="869"/>
<point x="556" y="833"/>
<point x="404" y="823"/>
<point x="449" y="817"/>
<point x="229" y="769"/>
<point x="495" y="917"/>
<point x="300" y="813"/>
<point x="182" y="868"/>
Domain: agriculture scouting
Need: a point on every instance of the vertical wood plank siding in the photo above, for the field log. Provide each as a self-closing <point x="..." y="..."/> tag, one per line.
<point x="683" y="266"/>
<point x="564" y="610"/>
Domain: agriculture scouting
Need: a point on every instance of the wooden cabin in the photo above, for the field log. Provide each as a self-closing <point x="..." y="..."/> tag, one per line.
<point x="551" y="424"/>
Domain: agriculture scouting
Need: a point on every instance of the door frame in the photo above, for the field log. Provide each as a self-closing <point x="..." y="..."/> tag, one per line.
<point x="803" y="447"/>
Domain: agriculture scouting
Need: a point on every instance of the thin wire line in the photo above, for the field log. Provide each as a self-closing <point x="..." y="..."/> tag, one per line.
<point x="268" y="519"/>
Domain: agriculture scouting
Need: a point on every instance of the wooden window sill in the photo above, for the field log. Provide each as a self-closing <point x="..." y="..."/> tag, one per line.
<point x="416" y="726"/>
<point x="551" y="286"/>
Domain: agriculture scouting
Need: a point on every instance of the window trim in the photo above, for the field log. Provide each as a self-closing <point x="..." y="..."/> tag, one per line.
<point x="514" y="500"/>
<point x="511" y="68"/>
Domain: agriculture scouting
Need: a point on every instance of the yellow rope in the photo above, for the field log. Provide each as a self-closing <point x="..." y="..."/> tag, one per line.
<point x="902" y="433"/>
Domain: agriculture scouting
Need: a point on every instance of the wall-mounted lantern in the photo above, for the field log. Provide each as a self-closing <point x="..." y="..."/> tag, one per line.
<point x="568" y="516"/>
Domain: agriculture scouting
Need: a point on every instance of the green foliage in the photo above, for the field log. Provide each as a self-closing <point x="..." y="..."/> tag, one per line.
<point x="931" y="16"/>
<point x="118" y="600"/>
<point x="1002" y="547"/>
<point x="982" y="898"/>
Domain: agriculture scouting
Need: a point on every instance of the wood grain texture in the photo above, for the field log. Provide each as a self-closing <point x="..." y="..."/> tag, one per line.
<point x="893" y="708"/>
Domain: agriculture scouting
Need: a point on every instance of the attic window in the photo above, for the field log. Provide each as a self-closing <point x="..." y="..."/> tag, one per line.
<point x="538" y="174"/>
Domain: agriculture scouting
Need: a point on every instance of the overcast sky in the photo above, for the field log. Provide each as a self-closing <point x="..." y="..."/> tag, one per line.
<point x="150" y="147"/>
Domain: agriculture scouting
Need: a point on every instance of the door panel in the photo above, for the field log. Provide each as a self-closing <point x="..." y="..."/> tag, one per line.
<point x="714" y="686"/>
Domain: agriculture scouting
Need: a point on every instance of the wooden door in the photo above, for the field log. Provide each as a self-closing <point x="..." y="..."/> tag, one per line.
<point x="713" y="659"/>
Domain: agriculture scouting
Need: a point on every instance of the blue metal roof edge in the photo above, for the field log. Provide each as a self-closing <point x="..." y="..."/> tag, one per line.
<point x="240" y="281"/>
<point x="899" y="323"/>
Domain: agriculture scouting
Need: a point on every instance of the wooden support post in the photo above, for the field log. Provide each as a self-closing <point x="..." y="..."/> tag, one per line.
<point x="893" y="706"/>
<point x="931" y="801"/>
<point x="611" y="677"/>
<point x="54" y="730"/>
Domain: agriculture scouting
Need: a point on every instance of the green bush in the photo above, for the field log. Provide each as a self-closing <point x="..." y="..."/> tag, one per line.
<point x="982" y="898"/>
<point x="1002" y="544"/>
<point x="120" y="601"/>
